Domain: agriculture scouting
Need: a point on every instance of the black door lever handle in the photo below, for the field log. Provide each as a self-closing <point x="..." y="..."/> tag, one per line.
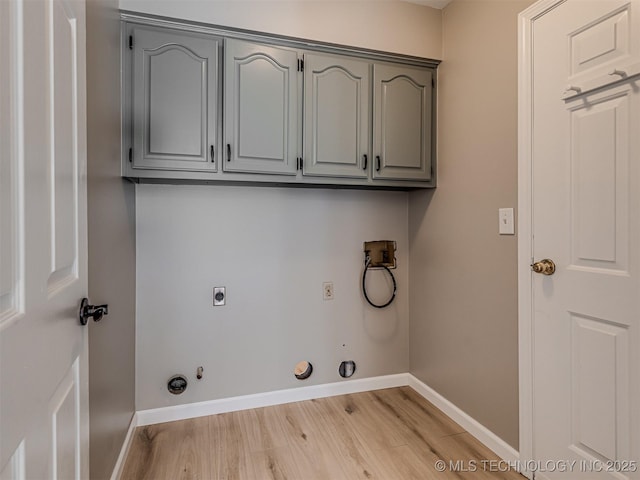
<point x="91" y="311"/>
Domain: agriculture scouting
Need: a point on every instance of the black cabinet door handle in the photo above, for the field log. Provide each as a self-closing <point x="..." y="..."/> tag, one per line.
<point x="364" y="167"/>
<point x="228" y="152"/>
<point x="212" y="154"/>
<point x="377" y="163"/>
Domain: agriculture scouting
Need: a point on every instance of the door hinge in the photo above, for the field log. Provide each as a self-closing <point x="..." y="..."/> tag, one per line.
<point x="130" y="42"/>
<point x="130" y="155"/>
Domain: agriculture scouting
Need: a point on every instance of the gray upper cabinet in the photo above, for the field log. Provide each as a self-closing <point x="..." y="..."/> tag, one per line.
<point x="402" y="123"/>
<point x="336" y="116"/>
<point x="210" y="105"/>
<point x="260" y="108"/>
<point x="174" y="100"/>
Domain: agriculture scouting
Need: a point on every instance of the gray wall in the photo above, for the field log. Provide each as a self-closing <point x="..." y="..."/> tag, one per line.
<point x="272" y="248"/>
<point x="463" y="275"/>
<point x="391" y="26"/>
<point x="111" y="246"/>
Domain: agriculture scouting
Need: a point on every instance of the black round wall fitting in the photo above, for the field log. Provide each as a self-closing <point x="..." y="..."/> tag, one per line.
<point x="177" y="384"/>
<point x="303" y="370"/>
<point x="347" y="368"/>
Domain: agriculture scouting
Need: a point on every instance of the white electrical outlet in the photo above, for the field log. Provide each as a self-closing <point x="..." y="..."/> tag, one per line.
<point x="327" y="290"/>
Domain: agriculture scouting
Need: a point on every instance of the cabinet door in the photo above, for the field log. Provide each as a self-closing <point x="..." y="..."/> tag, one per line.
<point x="336" y="116"/>
<point x="402" y="122"/>
<point x="261" y="105"/>
<point x="174" y="100"/>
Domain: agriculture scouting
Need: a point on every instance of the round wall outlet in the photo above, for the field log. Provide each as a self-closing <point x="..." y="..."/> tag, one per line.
<point x="347" y="368"/>
<point x="303" y="370"/>
<point x="177" y="384"/>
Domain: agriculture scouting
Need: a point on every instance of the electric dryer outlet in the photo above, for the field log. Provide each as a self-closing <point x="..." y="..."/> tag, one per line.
<point x="219" y="296"/>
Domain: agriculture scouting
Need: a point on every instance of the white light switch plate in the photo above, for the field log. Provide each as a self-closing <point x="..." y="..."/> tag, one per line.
<point x="505" y="217"/>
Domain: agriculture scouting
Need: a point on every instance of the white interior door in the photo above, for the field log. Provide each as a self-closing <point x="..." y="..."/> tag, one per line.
<point x="43" y="348"/>
<point x="585" y="191"/>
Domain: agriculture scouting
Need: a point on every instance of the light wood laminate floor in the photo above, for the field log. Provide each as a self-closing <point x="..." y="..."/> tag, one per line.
<point x="391" y="434"/>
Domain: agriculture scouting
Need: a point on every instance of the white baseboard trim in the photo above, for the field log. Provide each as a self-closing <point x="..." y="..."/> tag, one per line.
<point x="124" y="451"/>
<point x="483" y="434"/>
<point x="267" y="399"/>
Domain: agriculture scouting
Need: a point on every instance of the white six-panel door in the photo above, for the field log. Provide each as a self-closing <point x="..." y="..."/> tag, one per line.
<point x="43" y="348"/>
<point x="584" y="215"/>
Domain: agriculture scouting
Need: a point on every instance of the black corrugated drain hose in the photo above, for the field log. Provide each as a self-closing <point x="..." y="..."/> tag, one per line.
<point x="367" y="262"/>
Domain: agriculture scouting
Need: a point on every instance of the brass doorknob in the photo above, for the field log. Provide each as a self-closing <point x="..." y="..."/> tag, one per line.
<point x="545" y="267"/>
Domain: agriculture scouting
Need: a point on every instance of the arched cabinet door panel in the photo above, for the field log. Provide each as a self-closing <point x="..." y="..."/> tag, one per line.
<point x="403" y="100"/>
<point x="261" y="108"/>
<point x="336" y="116"/>
<point x="174" y="97"/>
